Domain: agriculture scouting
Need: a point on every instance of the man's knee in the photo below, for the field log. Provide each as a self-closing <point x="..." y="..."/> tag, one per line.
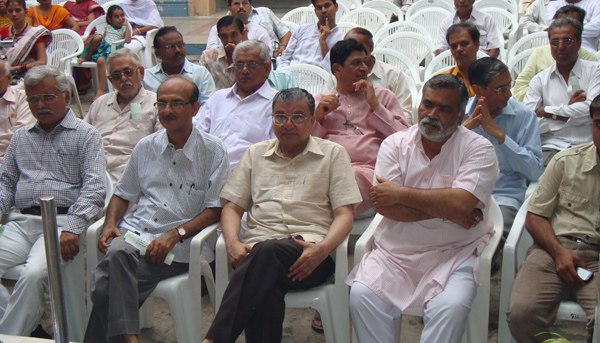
<point x="520" y="312"/>
<point x="359" y="298"/>
<point x="34" y="274"/>
<point x="120" y="250"/>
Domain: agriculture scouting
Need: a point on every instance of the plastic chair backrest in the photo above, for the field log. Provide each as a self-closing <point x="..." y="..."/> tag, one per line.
<point x="65" y="44"/>
<point x="99" y="24"/>
<point x="398" y="60"/>
<point x="369" y="18"/>
<point x="503" y="4"/>
<point x="314" y="79"/>
<point x="290" y="25"/>
<point x="442" y="62"/>
<point x="430" y="18"/>
<point x="422" y="4"/>
<point x="516" y="64"/>
<point x="301" y="15"/>
<point x="531" y="41"/>
<point x="106" y="4"/>
<point x="385" y="7"/>
<point x="417" y="47"/>
<point x="400" y="26"/>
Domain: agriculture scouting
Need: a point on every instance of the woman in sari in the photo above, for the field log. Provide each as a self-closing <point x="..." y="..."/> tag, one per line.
<point x="143" y="17"/>
<point x="4" y="19"/>
<point x="29" y="42"/>
<point x="84" y="12"/>
<point x="51" y="16"/>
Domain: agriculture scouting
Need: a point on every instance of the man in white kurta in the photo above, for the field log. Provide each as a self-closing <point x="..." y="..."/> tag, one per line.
<point x="436" y="222"/>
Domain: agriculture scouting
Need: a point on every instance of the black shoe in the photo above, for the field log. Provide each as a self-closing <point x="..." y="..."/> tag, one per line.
<point x="39" y="332"/>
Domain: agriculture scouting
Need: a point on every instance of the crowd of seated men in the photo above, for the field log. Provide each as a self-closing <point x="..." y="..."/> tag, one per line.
<point x="232" y="140"/>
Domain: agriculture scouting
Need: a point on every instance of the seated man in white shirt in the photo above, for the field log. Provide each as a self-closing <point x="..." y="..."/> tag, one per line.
<point x="253" y="29"/>
<point x="310" y="43"/>
<point x="170" y="49"/>
<point x="125" y="116"/>
<point x="591" y="26"/>
<point x="541" y="58"/>
<point x="14" y="110"/>
<point x="489" y="37"/>
<point x="535" y="18"/>
<point x="430" y="239"/>
<point x="561" y="94"/>
<point x="241" y="115"/>
<point x="175" y="177"/>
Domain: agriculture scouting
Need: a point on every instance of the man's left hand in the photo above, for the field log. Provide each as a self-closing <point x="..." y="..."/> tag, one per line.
<point x="487" y="122"/>
<point x="69" y="245"/>
<point x="311" y="258"/>
<point x="383" y="194"/>
<point x="157" y="250"/>
<point x="367" y="88"/>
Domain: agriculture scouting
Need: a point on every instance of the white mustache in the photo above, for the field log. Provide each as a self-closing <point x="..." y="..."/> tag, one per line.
<point x="431" y="121"/>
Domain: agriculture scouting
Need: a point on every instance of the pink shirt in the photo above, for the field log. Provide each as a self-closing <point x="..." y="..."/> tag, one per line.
<point x="376" y="125"/>
<point x="412" y="261"/>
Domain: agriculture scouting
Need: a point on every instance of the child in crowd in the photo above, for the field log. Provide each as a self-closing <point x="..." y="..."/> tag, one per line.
<point x="98" y="49"/>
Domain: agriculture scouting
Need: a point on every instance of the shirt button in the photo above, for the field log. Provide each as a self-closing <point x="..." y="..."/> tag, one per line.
<point x="146" y="229"/>
<point x="165" y="205"/>
<point x="598" y="229"/>
<point x="155" y="220"/>
<point x="174" y="163"/>
<point x="569" y="204"/>
<point x="587" y="237"/>
<point x="170" y="185"/>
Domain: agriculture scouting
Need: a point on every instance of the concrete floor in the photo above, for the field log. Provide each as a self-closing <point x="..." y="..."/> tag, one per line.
<point x="297" y="323"/>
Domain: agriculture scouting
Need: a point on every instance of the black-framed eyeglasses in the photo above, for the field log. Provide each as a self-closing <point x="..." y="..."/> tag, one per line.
<point x="46" y="98"/>
<point x="565" y="41"/>
<point x="501" y="89"/>
<point x="175" y="105"/>
<point x="127" y="72"/>
<point x="238" y="3"/>
<point x="250" y="65"/>
<point x="169" y="47"/>
<point x="281" y="119"/>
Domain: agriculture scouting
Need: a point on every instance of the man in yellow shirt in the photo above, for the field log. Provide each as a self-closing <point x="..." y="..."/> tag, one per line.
<point x="463" y="39"/>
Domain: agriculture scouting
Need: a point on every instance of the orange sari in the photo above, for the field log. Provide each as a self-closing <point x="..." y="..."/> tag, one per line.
<point x="55" y="20"/>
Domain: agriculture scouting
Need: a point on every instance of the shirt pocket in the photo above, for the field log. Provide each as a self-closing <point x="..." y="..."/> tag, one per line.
<point x="69" y="166"/>
<point x="191" y="199"/>
<point x="575" y="204"/>
<point x="312" y="188"/>
<point x="266" y="187"/>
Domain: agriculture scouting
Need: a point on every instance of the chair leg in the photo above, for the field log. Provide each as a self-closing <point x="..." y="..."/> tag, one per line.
<point x="76" y="94"/>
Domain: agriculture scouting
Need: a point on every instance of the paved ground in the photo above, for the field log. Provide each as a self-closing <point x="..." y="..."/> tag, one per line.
<point x="297" y="324"/>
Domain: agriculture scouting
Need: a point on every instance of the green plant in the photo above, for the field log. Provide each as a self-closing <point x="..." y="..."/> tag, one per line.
<point x="560" y="338"/>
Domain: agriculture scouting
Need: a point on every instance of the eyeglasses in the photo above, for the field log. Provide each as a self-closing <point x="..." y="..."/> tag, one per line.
<point x="565" y="41"/>
<point x="175" y="105"/>
<point x="170" y="47"/>
<point x="280" y="119"/>
<point x="127" y="72"/>
<point x="355" y="129"/>
<point x="501" y="89"/>
<point x="47" y="98"/>
<point x="251" y="65"/>
<point x="238" y="3"/>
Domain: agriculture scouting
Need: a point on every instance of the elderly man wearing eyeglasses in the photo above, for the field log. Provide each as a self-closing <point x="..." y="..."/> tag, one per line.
<point x="561" y="94"/>
<point x="357" y="115"/>
<point x="241" y="114"/>
<point x="125" y="116"/>
<point x="299" y="192"/>
<point x="175" y="177"/>
<point x="170" y="49"/>
<point x="513" y="130"/>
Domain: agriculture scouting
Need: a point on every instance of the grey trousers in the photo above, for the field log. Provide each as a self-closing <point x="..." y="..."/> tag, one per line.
<point x="538" y="290"/>
<point x="123" y="280"/>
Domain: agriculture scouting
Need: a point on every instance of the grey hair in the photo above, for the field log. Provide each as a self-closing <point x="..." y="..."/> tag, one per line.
<point x="251" y="44"/>
<point x="6" y="68"/>
<point x="294" y="94"/>
<point x="567" y="21"/>
<point x="39" y="73"/>
<point x="449" y="81"/>
<point x="484" y="70"/>
<point x="135" y="58"/>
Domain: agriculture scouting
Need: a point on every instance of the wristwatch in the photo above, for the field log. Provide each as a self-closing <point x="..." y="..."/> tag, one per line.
<point x="554" y="117"/>
<point x="181" y="231"/>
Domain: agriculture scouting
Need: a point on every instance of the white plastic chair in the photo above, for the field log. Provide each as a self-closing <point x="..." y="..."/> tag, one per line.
<point x="150" y="47"/>
<point x="398" y="60"/>
<point x="313" y="79"/>
<point x="503" y="4"/>
<point x="515" y="250"/>
<point x="430" y="18"/>
<point x="506" y="23"/>
<point x="444" y="61"/>
<point x="369" y="18"/>
<point x="345" y="26"/>
<point x="301" y="15"/>
<point x="597" y="54"/>
<point x="106" y="5"/>
<point x="30" y="3"/>
<point x="385" y="7"/>
<point x="290" y="25"/>
<point x="477" y="323"/>
<point x="417" y="47"/>
<point x="65" y="45"/>
<point x="517" y="63"/>
<point x="423" y="4"/>
<point x="330" y="299"/>
<point x="531" y="41"/>
<point x="181" y="292"/>
<point x="342" y="10"/>
<point x="351" y="4"/>
<point x="400" y="26"/>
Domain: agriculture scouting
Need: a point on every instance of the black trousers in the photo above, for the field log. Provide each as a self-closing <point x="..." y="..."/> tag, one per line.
<point x="255" y="297"/>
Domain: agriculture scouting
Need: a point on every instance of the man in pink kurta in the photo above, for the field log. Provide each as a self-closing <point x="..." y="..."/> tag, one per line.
<point x="434" y="185"/>
<point x="357" y="115"/>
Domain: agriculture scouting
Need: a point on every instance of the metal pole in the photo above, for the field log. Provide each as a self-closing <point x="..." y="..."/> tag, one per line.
<point x="57" y="299"/>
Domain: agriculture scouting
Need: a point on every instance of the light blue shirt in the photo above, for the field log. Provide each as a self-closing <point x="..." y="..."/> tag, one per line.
<point x="154" y="76"/>
<point x="520" y="157"/>
<point x="282" y="79"/>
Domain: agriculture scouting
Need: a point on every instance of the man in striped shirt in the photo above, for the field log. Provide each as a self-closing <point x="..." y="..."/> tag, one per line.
<point x="58" y="156"/>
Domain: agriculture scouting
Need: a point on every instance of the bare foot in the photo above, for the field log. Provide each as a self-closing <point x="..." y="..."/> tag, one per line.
<point x="208" y="341"/>
<point x="128" y="338"/>
<point x="81" y="60"/>
<point x="98" y="94"/>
